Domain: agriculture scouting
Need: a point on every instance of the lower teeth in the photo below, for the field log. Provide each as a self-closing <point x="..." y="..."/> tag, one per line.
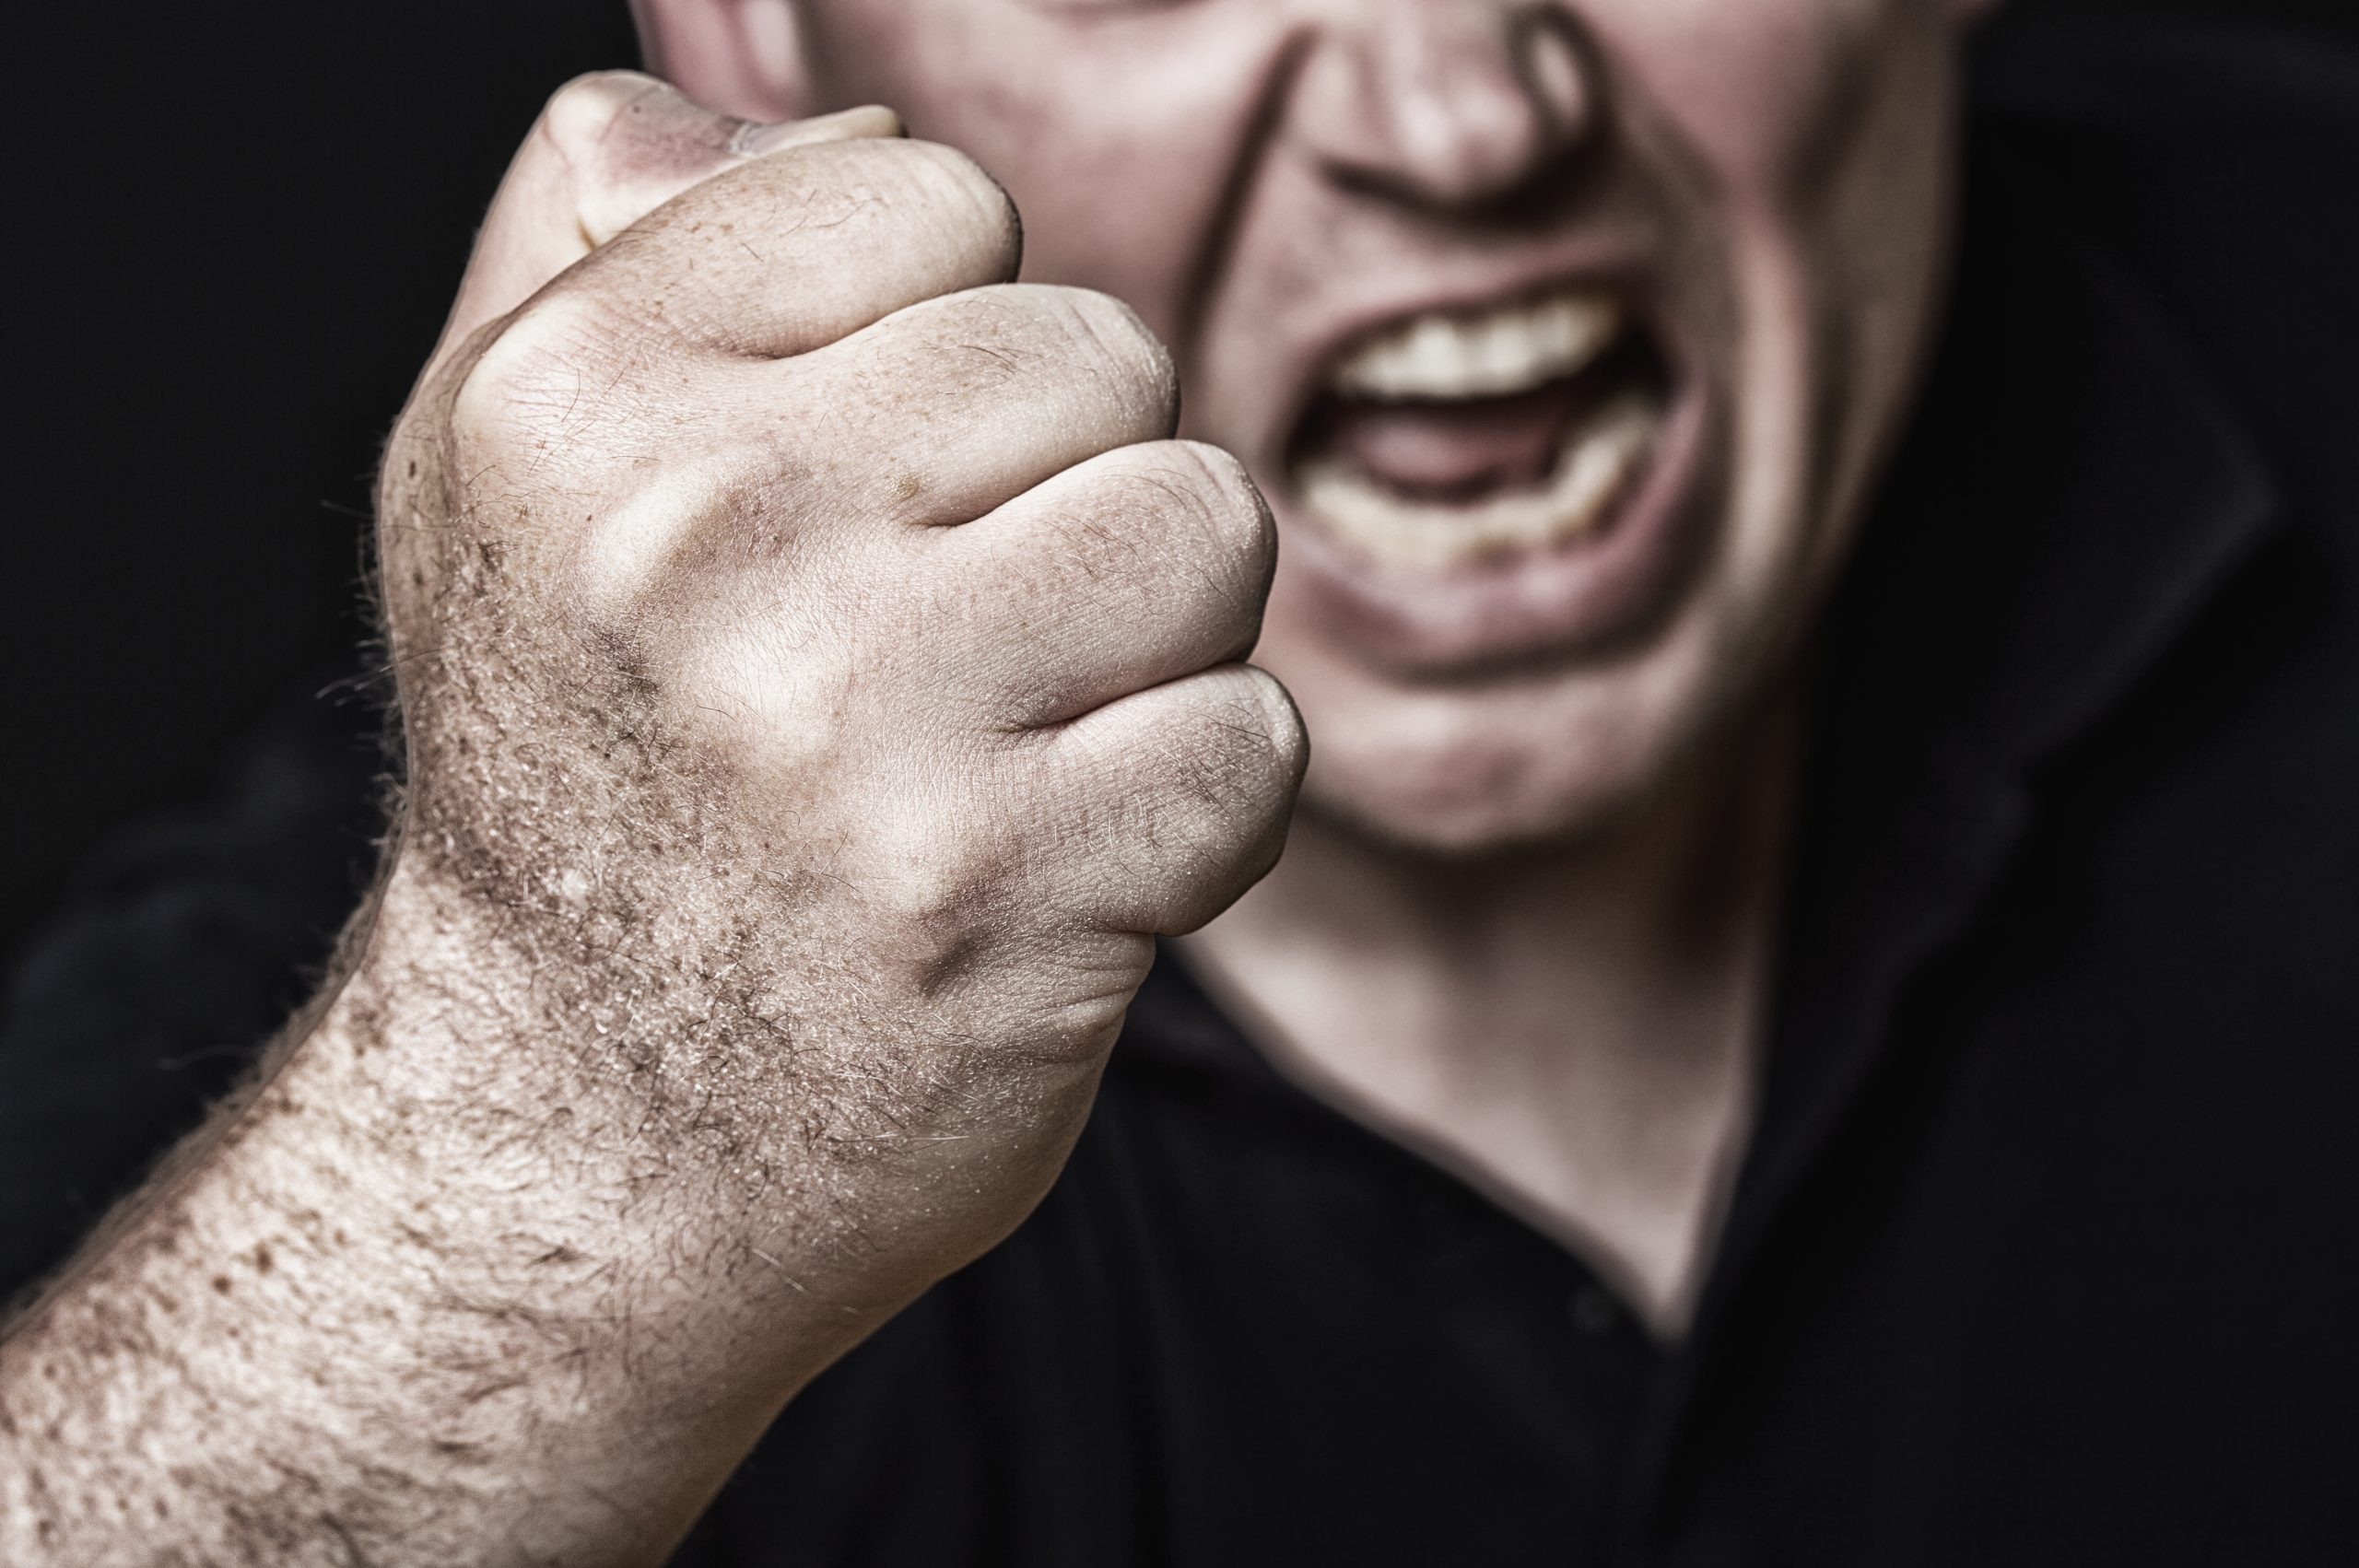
<point x="1394" y="530"/>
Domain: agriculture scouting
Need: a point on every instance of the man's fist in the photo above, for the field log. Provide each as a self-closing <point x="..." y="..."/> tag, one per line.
<point x="821" y="671"/>
<point x="820" y="677"/>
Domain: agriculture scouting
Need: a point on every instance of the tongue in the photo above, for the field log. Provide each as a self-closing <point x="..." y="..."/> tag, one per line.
<point x="1455" y="450"/>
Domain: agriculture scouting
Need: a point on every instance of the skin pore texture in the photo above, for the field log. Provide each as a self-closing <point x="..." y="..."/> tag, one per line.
<point x="821" y="675"/>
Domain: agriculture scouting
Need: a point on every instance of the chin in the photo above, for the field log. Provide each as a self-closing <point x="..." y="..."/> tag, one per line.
<point x="1469" y="775"/>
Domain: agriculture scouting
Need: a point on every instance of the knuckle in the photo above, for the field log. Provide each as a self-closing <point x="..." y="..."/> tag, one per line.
<point x="1189" y="514"/>
<point x="956" y="191"/>
<point x="660" y="530"/>
<point x="1230" y="768"/>
<point x="933" y="884"/>
<point x="1289" y="738"/>
<point x="533" y="364"/>
<point x="1239" y="751"/>
<point x="1268" y="743"/>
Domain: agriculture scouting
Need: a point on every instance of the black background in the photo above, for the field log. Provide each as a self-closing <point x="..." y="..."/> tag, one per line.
<point x="232" y="233"/>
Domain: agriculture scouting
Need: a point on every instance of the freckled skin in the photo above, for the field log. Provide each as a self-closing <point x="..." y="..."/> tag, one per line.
<point x="821" y="677"/>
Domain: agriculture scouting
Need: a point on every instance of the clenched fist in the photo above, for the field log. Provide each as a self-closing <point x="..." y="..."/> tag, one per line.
<point x="821" y="671"/>
<point x="821" y="678"/>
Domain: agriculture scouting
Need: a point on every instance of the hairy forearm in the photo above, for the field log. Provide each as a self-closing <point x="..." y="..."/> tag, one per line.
<point x="421" y="1300"/>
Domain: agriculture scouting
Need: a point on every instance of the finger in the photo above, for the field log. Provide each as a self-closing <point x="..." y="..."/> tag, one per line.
<point x="783" y="254"/>
<point x="940" y="417"/>
<point x="1184" y="791"/>
<point x="1141" y="566"/>
<point x="608" y="149"/>
<point x="944" y="411"/>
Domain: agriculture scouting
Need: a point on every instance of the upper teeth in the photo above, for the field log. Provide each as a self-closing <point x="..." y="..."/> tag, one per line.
<point x="1494" y="353"/>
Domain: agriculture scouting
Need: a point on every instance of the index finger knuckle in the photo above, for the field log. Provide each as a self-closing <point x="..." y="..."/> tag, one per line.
<point x="532" y="369"/>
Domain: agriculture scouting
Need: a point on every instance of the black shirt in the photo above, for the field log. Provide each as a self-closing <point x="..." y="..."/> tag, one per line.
<point x="2047" y="1247"/>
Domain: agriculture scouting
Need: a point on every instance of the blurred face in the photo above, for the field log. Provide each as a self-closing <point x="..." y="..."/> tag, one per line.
<point x="1562" y="336"/>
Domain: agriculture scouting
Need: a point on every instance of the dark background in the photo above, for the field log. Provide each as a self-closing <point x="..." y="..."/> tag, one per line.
<point x="234" y="231"/>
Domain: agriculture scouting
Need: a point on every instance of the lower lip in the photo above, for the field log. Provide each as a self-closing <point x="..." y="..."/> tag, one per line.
<point x="1589" y="596"/>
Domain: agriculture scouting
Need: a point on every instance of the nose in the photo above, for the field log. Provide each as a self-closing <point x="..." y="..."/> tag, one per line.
<point x="1443" y="102"/>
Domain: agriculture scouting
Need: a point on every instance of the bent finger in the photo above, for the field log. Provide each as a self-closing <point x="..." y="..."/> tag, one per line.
<point x="1139" y="566"/>
<point x="1184" y="790"/>
<point x="954" y="405"/>
<point x="608" y="149"/>
<point x="782" y="255"/>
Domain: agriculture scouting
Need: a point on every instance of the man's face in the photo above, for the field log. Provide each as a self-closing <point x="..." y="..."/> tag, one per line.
<point x="1562" y="336"/>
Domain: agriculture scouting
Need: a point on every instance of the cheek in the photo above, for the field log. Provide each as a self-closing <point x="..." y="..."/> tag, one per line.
<point x="1120" y="140"/>
<point x="1752" y="90"/>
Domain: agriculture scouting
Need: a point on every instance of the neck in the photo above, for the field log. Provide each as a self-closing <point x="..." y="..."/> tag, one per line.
<point x="1572" y="1029"/>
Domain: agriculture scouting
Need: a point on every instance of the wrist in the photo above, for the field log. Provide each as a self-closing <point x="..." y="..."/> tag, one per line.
<point x="570" y="1163"/>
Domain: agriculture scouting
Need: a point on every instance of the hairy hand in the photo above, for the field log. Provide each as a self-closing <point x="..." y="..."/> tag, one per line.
<point x="821" y="671"/>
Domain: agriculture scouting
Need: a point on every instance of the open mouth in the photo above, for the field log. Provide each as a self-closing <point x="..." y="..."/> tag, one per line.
<point x="1455" y="439"/>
